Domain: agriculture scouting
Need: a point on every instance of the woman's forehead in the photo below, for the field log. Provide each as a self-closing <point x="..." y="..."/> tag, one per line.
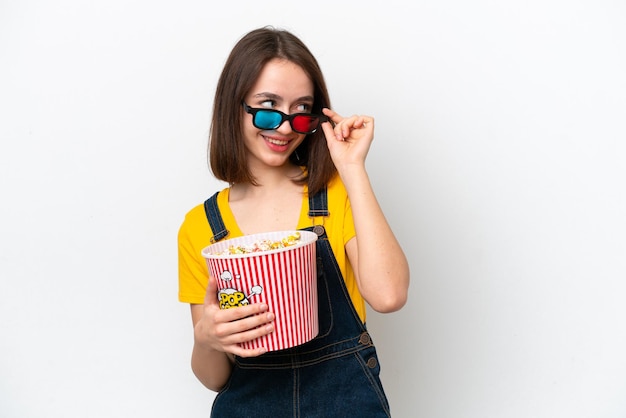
<point x="283" y="80"/>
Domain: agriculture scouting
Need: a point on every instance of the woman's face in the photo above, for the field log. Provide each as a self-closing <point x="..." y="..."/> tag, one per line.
<point x="281" y="85"/>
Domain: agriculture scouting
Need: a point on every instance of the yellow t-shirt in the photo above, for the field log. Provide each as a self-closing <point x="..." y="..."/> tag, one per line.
<point x="195" y="234"/>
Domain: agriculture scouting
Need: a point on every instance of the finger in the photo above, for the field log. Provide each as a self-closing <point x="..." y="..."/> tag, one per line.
<point x="365" y="122"/>
<point x="356" y="122"/>
<point x="244" y="330"/>
<point x="329" y="132"/>
<point x="247" y="323"/>
<point x="347" y="125"/>
<point x="334" y="116"/>
<point x="343" y="126"/>
<point x="249" y="334"/>
<point x="246" y="352"/>
<point x="253" y="313"/>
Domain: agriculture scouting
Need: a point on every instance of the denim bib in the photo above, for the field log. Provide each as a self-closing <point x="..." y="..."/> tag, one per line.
<point x="334" y="375"/>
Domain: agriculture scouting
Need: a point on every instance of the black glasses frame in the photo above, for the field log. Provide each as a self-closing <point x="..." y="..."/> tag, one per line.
<point x="283" y="117"/>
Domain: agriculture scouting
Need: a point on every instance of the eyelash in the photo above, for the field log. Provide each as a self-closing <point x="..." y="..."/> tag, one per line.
<point x="306" y="107"/>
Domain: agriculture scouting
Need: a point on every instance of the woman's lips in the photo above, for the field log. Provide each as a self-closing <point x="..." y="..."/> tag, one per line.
<point x="276" y="141"/>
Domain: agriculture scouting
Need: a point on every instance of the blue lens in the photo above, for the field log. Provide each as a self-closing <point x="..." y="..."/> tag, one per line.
<point x="267" y="119"/>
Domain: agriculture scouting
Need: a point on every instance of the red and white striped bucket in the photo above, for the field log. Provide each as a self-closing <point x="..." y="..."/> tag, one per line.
<point x="284" y="278"/>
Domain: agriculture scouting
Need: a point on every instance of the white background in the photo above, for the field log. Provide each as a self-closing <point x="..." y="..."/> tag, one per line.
<point x="499" y="159"/>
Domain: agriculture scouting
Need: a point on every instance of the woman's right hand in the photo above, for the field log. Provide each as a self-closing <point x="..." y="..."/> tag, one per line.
<point x="223" y="329"/>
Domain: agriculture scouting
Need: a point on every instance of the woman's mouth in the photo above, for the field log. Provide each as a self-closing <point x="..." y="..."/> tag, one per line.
<point x="279" y="145"/>
<point x="276" y="141"/>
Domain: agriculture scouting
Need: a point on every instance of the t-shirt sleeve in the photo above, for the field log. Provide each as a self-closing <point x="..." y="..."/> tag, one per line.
<point x="348" y="223"/>
<point x="193" y="274"/>
<point x="340" y="204"/>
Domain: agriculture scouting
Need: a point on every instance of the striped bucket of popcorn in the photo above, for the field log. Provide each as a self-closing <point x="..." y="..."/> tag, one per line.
<point x="277" y="268"/>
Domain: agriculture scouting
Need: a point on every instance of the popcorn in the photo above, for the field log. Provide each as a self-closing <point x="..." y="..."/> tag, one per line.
<point x="263" y="245"/>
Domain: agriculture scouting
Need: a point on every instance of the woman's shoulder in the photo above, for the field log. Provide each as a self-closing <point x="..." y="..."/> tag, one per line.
<point x="197" y="214"/>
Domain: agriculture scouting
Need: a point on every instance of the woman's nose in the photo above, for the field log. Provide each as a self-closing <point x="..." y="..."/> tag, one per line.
<point x="285" y="127"/>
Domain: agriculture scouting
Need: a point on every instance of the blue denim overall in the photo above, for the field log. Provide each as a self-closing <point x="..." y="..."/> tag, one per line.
<point x="334" y="375"/>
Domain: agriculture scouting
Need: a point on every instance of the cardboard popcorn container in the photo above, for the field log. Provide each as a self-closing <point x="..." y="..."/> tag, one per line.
<point x="284" y="278"/>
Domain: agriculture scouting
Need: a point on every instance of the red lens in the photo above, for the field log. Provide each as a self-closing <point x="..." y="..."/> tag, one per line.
<point x="303" y="123"/>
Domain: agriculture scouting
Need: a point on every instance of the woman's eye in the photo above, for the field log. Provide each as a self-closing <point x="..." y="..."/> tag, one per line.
<point x="268" y="103"/>
<point x="303" y="108"/>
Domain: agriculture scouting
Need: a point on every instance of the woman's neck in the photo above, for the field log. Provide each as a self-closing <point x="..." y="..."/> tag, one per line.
<point x="269" y="182"/>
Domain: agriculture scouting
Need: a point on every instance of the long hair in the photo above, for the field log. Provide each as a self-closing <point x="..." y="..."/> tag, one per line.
<point x="227" y="153"/>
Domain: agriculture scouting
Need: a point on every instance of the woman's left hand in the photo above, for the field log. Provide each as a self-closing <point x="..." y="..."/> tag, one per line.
<point x="349" y="141"/>
<point x="380" y="267"/>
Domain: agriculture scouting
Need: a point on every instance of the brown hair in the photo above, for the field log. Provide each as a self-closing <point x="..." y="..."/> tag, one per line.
<point x="227" y="155"/>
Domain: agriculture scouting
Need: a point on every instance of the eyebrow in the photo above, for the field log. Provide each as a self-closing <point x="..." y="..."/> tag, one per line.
<point x="273" y="96"/>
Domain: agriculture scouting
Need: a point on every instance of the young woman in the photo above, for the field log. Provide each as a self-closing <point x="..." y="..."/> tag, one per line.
<point x="291" y="163"/>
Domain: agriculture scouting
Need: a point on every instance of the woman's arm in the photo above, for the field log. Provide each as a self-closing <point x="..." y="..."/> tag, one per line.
<point x="211" y="367"/>
<point x="217" y="334"/>
<point x="380" y="266"/>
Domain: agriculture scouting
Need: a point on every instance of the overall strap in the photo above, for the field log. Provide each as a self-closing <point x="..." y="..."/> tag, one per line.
<point x="215" y="219"/>
<point x="318" y="204"/>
